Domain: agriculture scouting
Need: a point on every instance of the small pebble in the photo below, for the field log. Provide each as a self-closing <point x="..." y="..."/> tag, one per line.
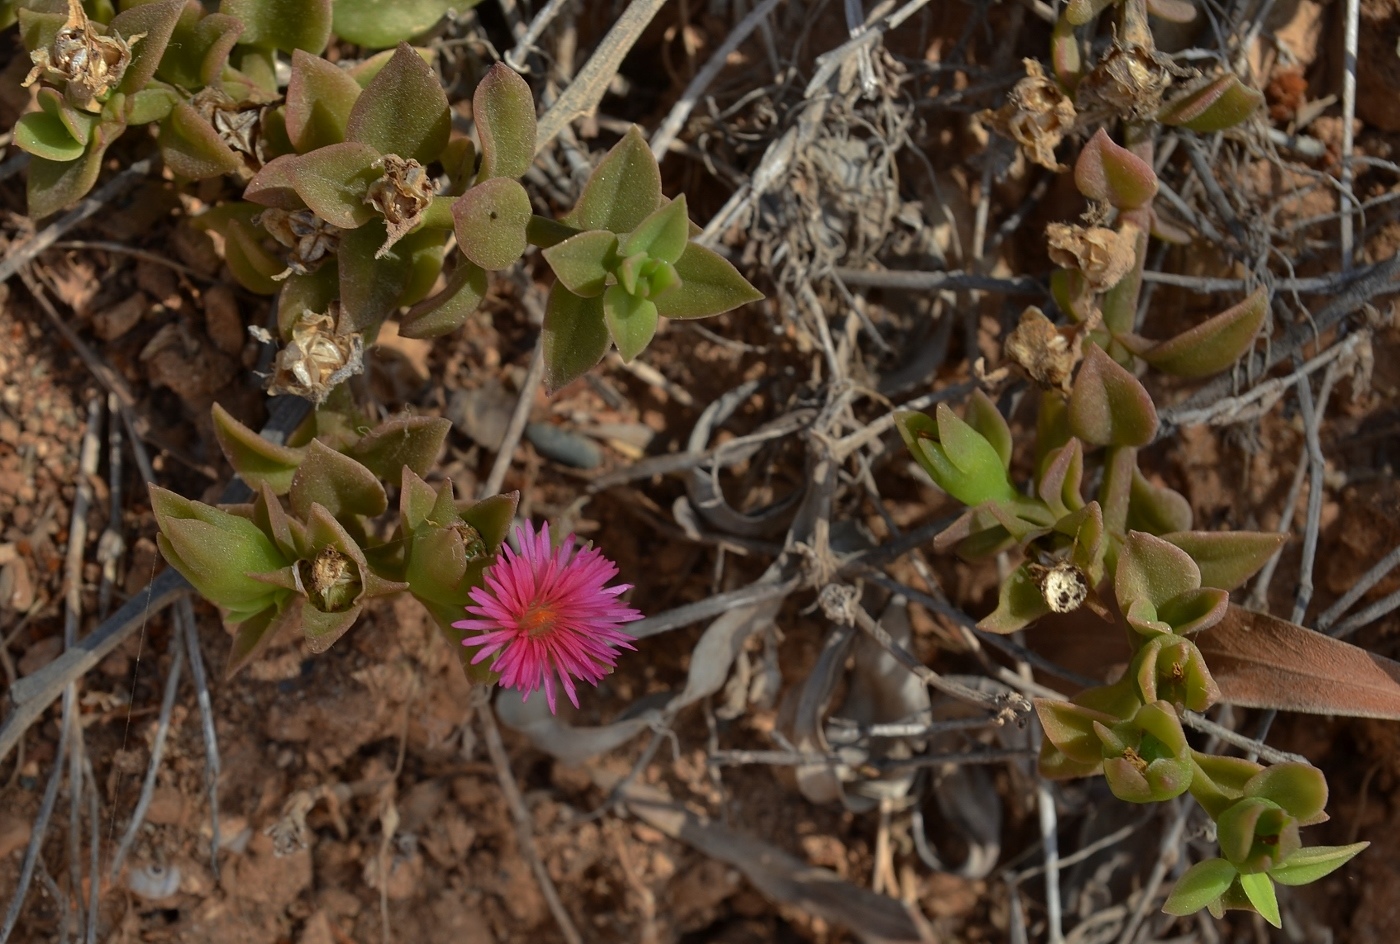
<point x="563" y="446"/>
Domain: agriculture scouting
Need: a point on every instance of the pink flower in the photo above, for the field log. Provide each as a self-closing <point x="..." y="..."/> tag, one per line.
<point x="547" y="611"/>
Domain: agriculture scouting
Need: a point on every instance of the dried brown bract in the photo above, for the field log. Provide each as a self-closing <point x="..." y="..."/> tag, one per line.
<point x="1129" y="82"/>
<point x="239" y="124"/>
<point x="1103" y="255"/>
<point x="318" y="357"/>
<point x="89" y="64"/>
<point x="1037" y="116"/>
<point x="400" y="196"/>
<point x="1047" y="355"/>
<point x="331" y="580"/>
<point x="309" y="239"/>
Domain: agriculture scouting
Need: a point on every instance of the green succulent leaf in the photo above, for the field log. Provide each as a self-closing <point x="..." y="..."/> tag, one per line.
<point x="490" y="222"/>
<point x="492" y="517"/>
<point x="1194" y="610"/>
<point x="333" y="181"/>
<point x="983" y="416"/>
<point x="402" y="442"/>
<point x="1219" y="104"/>
<point x="255" y="459"/>
<point x="403" y="110"/>
<point x="1020" y="602"/>
<point x="1211" y="346"/>
<point x="1112" y="174"/>
<point x="191" y="147"/>
<point x="378" y="24"/>
<point x="199" y="47"/>
<point x="153" y="103"/>
<point x="575" y="336"/>
<point x="1156" y="509"/>
<point x="449" y="309"/>
<point x="282" y="24"/>
<point x="623" y="190"/>
<point x="45" y="135"/>
<point x="1259" y="888"/>
<point x="319" y="99"/>
<point x="1080" y="12"/>
<point x="957" y="457"/>
<point x="584" y="262"/>
<point x="251" y="263"/>
<point x="1227" y="558"/>
<point x="336" y="482"/>
<point x="631" y="320"/>
<point x="255" y="633"/>
<point x="1152" y="570"/>
<point x="58" y="185"/>
<point x="216" y="551"/>
<point x="1108" y="406"/>
<point x="1308" y="865"/>
<point x="1072" y="729"/>
<point x="371" y="284"/>
<point x="663" y="235"/>
<point x="504" y="111"/>
<point x="1201" y="885"/>
<point x="1301" y="789"/>
<point x="709" y="285"/>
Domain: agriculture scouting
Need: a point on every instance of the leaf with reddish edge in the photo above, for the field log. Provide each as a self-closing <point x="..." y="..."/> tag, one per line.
<point x="283" y="24"/>
<point x="191" y="147"/>
<point x="1227" y="558"/>
<point x="319" y="99"/>
<point x="155" y="22"/>
<point x="624" y="189"/>
<point x="1219" y="104"/>
<point x="1110" y="173"/>
<point x="1211" y="346"/>
<point x="1109" y="406"/>
<point x="575" y="336"/>
<point x="504" y="111"/>
<point x="403" y="110"/>
<point x="333" y="181"/>
<point x="449" y="309"/>
<point x="255" y="459"/>
<point x="490" y="221"/>
<point x="1263" y="662"/>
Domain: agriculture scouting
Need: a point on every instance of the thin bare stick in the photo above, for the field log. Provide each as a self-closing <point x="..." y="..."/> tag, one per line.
<point x="518" y="419"/>
<point x="675" y="119"/>
<point x="524" y="828"/>
<point x="1166" y="857"/>
<point x="588" y="87"/>
<point x="136" y="253"/>
<point x="1359" y="589"/>
<point x="516" y="57"/>
<point x="1259" y="594"/>
<point x="916" y="281"/>
<point x="184" y="619"/>
<point x="1350" y="43"/>
<point x="1230" y="736"/>
<point x="38" y="830"/>
<point x="23" y="254"/>
<point x="148" y="786"/>
<point x="1373" y="612"/>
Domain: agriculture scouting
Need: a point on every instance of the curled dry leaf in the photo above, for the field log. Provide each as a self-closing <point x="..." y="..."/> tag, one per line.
<point x="1103" y="255"/>
<point x="1037" y="116"/>
<point x="1047" y="355"/>
<point x="309" y="240"/>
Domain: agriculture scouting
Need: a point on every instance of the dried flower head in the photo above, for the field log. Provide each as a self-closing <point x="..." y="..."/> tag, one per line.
<point x="1103" y="255"/>
<point x="1037" y="116"/>
<point x="1129" y="82"/>
<point x="309" y="239"/>
<point x="318" y="357"/>
<point x="238" y="124"/>
<point x="89" y="64"/>
<point x="1047" y="355"/>
<point x="400" y="196"/>
<point x="548" y="611"/>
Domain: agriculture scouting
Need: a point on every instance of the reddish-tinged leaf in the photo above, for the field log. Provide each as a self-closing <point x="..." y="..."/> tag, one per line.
<point x="1108" y="406"/>
<point x="504" y="111"/>
<point x="1211" y="346"/>
<point x="319" y="98"/>
<point x="1262" y="662"/>
<point x="1222" y="103"/>
<point x="1112" y="174"/>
